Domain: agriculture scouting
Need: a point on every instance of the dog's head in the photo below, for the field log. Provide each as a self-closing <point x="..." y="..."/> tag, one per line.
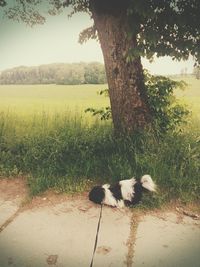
<point x="97" y="194"/>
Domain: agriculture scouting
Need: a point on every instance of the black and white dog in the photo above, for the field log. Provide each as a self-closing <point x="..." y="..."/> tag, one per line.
<point x="124" y="193"/>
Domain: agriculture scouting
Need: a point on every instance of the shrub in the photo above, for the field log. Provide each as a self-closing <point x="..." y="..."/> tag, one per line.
<point x="167" y="112"/>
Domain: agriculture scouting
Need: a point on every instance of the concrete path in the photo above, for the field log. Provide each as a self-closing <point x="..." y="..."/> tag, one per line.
<point x="167" y="242"/>
<point x="60" y="231"/>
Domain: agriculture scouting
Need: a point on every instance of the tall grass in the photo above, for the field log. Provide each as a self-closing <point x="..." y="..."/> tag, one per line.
<point x="69" y="151"/>
<point x="66" y="153"/>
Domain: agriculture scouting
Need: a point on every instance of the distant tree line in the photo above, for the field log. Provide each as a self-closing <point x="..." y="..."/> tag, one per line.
<point x="57" y="73"/>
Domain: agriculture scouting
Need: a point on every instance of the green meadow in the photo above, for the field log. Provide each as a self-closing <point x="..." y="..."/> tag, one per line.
<point x="50" y="99"/>
<point x="190" y="95"/>
<point x="46" y="136"/>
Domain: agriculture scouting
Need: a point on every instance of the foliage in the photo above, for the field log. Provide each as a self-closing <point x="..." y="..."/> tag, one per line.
<point x="160" y="27"/>
<point x="66" y="154"/>
<point x="163" y="28"/>
<point x="59" y="73"/>
<point x="95" y="73"/>
<point x="167" y="113"/>
<point x="2" y="3"/>
<point x="103" y="113"/>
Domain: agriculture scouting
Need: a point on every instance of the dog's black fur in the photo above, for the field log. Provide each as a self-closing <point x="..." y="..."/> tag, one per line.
<point x="97" y="194"/>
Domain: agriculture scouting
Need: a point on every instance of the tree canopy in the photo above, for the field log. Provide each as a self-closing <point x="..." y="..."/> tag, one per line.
<point x="167" y="27"/>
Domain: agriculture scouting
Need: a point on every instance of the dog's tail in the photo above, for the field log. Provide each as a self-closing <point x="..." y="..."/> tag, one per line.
<point x="148" y="183"/>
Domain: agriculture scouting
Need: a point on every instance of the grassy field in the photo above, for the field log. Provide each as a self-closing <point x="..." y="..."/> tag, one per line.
<point x="191" y="94"/>
<point x="34" y="99"/>
<point x="51" y="99"/>
<point x="45" y="135"/>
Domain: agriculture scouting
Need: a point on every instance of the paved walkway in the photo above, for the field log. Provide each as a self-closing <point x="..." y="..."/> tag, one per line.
<point x="60" y="231"/>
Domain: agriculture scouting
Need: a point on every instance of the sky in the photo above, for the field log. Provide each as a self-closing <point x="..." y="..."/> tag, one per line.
<point x="57" y="41"/>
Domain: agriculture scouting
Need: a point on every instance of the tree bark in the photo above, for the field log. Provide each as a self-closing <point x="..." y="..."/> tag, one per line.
<point x="128" y="98"/>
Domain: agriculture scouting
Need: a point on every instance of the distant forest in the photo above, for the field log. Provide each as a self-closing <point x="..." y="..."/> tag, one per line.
<point x="57" y="73"/>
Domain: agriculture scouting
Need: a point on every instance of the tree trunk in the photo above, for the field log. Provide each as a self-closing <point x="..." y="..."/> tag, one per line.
<point x="127" y="93"/>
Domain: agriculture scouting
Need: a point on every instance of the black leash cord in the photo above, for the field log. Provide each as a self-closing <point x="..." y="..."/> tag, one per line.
<point x="96" y="240"/>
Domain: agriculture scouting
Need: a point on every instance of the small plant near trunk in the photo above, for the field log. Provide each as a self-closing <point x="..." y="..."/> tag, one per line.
<point x="167" y="113"/>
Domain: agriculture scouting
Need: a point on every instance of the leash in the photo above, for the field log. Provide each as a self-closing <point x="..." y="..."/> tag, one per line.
<point x="96" y="239"/>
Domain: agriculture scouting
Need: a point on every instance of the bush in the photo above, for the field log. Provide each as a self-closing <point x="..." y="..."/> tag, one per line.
<point x="167" y="112"/>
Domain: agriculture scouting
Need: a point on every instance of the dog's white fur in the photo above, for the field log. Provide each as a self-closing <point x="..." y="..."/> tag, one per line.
<point x="109" y="198"/>
<point x="127" y="190"/>
<point x="148" y="183"/>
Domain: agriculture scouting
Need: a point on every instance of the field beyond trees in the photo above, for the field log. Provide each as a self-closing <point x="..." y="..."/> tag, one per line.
<point x="46" y="136"/>
<point x="50" y="99"/>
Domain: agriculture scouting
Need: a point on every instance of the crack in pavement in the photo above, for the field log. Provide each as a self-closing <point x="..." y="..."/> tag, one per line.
<point x="134" y="221"/>
<point x="10" y="220"/>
